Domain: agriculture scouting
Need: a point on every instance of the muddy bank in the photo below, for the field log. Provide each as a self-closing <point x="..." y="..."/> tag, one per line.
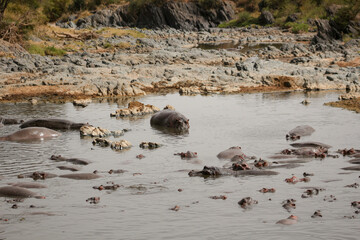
<point x="265" y="59"/>
<point x="350" y="104"/>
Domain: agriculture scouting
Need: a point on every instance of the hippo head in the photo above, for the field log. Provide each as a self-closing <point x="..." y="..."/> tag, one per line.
<point x="181" y="124"/>
<point x="206" y="172"/>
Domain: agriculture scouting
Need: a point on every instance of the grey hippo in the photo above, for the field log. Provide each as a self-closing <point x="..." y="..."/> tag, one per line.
<point x="27" y="185"/>
<point x="170" y="119"/>
<point x="31" y="133"/>
<point x="77" y="161"/>
<point x="10" y="121"/>
<point x="17" y="192"/>
<point x="217" y="172"/>
<point x="232" y="152"/>
<point x="81" y="176"/>
<point x="310" y="144"/>
<point x="57" y="124"/>
<point x="300" y="131"/>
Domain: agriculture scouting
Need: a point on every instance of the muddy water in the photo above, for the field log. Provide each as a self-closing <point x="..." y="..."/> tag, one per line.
<point x="139" y="209"/>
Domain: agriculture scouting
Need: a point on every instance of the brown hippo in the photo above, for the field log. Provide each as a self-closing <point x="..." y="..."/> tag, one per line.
<point x="31" y="133"/>
<point x="288" y="221"/>
<point x="52" y="124"/>
<point x="27" y="185"/>
<point x="300" y="131"/>
<point x="232" y="152"/>
<point x="170" y="119"/>
<point x="17" y="192"/>
<point x="81" y="176"/>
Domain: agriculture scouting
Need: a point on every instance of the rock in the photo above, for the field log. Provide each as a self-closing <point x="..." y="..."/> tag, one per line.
<point x="266" y="18"/>
<point x="91" y="131"/>
<point x="82" y="102"/>
<point x="135" y="109"/>
<point x="326" y="32"/>
<point x="150" y="145"/>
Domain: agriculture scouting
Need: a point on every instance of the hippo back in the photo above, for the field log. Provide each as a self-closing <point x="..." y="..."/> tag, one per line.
<point x="170" y="119"/>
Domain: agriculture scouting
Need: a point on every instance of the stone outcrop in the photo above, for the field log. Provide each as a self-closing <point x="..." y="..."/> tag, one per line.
<point x="135" y="109"/>
<point x="174" y="14"/>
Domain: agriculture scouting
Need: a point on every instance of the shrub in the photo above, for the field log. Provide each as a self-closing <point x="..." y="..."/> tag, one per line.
<point x="53" y="9"/>
<point x="53" y="51"/>
<point x="297" y="27"/>
<point x="44" y="50"/>
<point x="244" y="19"/>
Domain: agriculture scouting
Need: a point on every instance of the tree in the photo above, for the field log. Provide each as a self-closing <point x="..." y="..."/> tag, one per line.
<point x="3" y="6"/>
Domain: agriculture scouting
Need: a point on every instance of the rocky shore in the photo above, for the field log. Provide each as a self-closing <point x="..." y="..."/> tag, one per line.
<point x="191" y="62"/>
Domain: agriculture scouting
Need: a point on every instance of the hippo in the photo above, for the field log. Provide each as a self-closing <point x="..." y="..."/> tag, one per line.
<point x="56" y="124"/>
<point x="300" y="131"/>
<point x="31" y="133"/>
<point x="217" y="172"/>
<point x="10" y="121"/>
<point x="37" y="175"/>
<point x="17" y="192"/>
<point x="310" y="144"/>
<point x="187" y="154"/>
<point x="306" y="152"/>
<point x="355" y="161"/>
<point x="73" y="169"/>
<point x="27" y="185"/>
<point x="171" y="120"/>
<point x="288" y="221"/>
<point x="81" y="176"/>
<point x="77" y="161"/>
<point x="353" y="168"/>
<point x="232" y="152"/>
<point x="247" y="202"/>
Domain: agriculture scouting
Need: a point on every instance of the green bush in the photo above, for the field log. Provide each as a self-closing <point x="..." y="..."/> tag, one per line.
<point x="35" y="49"/>
<point x="297" y="27"/>
<point x="54" y="9"/>
<point x="244" y="19"/>
<point x="53" y="51"/>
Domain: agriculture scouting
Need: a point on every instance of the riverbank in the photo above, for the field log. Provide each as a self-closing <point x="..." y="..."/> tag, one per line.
<point x="142" y="61"/>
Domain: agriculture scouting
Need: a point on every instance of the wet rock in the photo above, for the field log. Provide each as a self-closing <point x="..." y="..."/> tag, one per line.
<point x="117" y="171"/>
<point x="288" y="221"/>
<point x="247" y="203"/>
<point x="88" y="130"/>
<point x="135" y="109"/>
<point x="150" y="145"/>
<point x="140" y="156"/>
<point x="305" y="102"/>
<point x="261" y="163"/>
<point x="115" y="145"/>
<point x="82" y="102"/>
<point x="305" y="174"/>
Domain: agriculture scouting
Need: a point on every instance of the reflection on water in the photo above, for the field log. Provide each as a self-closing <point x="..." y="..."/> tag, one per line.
<point x="139" y="208"/>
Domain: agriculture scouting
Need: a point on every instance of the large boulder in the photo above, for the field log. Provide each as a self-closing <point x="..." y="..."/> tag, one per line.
<point x="266" y="18"/>
<point x="327" y="32"/>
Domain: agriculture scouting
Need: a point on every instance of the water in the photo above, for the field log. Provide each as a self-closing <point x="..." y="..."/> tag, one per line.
<point x="140" y="208"/>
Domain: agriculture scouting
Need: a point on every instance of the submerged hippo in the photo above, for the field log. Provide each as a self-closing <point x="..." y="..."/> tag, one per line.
<point x="310" y="144"/>
<point x="17" y="192"/>
<point x="217" y="172"/>
<point x="170" y="119"/>
<point x="52" y="123"/>
<point x="300" y="131"/>
<point x="27" y="185"/>
<point x="288" y="221"/>
<point x="77" y="161"/>
<point x="31" y="133"/>
<point x="9" y="121"/>
<point x="232" y="152"/>
<point x="81" y="176"/>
